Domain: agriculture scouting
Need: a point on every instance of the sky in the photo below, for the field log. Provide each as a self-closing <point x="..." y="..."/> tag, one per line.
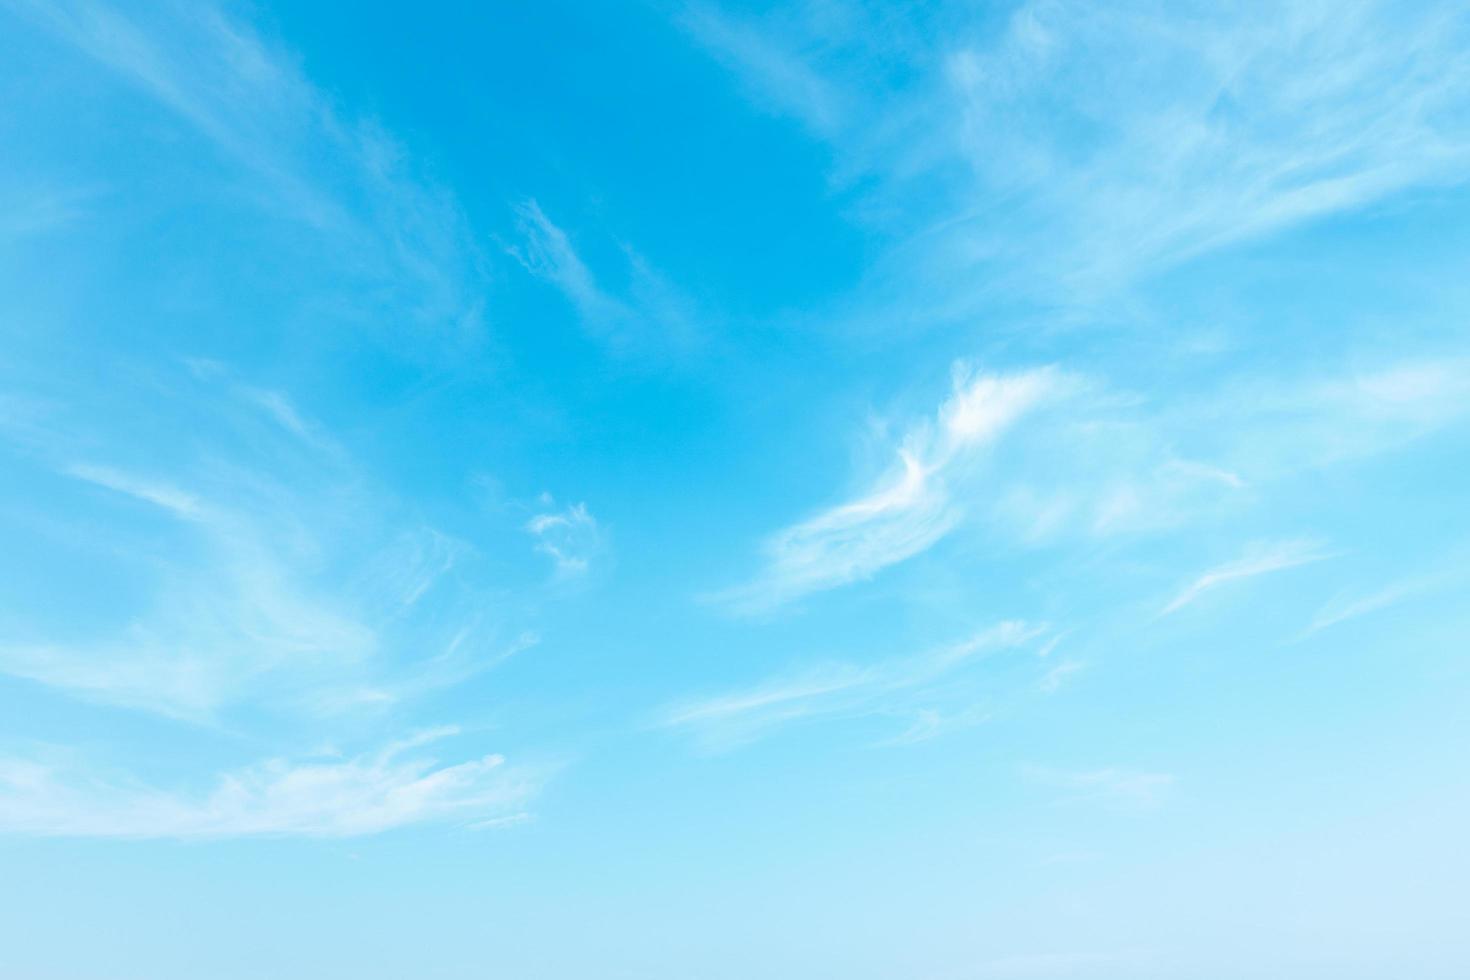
<point x="698" y="490"/>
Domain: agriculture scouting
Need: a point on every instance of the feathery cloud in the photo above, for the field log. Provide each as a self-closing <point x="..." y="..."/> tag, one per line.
<point x="1343" y="607"/>
<point x="345" y="179"/>
<point x="1258" y="559"/>
<point x="834" y="690"/>
<point x="912" y="508"/>
<point x="1039" y="154"/>
<point x="394" y="787"/>
<point x="280" y="576"/>
<point x="648" y="315"/>
<point x="569" y="537"/>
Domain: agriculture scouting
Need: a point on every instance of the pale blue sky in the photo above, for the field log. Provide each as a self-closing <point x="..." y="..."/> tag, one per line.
<point x="946" y="491"/>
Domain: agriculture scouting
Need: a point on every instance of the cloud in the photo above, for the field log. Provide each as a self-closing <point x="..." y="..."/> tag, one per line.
<point x="394" y="787"/>
<point x="648" y="315"/>
<point x="1108" y="465"/>
<point x="1054" y="678"/>
<point x="1343" y="607"/>
<point x="30" y="209"/>
<point x="912" y="507"/>
<point x="1259" y="559"/>
<point x="548" y="253"/>
<point x="909" y="686"/>
<point x="774" y="74"/>
<point x="1039" y="153"/>
<point x="390" y="234"/>
<point x="1128" y="788"/>
<point x="216" y="633"/>
<point x="569" y="537"/>
<point x="279" y="408"/>
<point x="267" y="572"/>
<point x="180" y="504"/>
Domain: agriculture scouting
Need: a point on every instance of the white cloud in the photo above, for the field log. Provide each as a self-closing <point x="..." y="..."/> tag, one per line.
<point x="907" y="686"/>
<point x="177" y="502"/>
<point x="1129" y="788"/>
<point x="911" y="508"/>
<point x="287" y="582"/>
<point x="215" y="634"/>
<point x="1042" y="154"/>
<point x="394" y="787"/>
<point x="569" y="537"/>
<point x="775" y="74"/>
<point x="782" y="700"/>
<point x="648" y="314"/>
<point x="1055" y="677"/>
<point x="1344" y="607"/>
<point x="1101" y="463"/>
<point x="346" y="180"/>
<point x="1258" y="559"/>
<point x="547" y="252"/>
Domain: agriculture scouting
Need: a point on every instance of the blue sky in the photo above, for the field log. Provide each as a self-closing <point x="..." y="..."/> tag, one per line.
<point x="694" y="490"/>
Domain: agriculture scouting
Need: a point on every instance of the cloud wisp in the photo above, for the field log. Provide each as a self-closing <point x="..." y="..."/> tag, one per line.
<point x="393" y="787"/>
<point x="1346" y="606"/>
<point x="649" y="315"/>
<point x="1041" y="150"/>
<point x="1132" y="789"/>
<point x="268" y="572"/>
<point x="916" y="686"/>
<point x="1108" y="465"/>
<point x="1258" y="559"/>
<point x="393" y="235"/>
<point x="912" y="507"/>
<point x="570" y="537"/>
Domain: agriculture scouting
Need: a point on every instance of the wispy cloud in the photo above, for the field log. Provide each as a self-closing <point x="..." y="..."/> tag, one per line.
<point x="839" y="689"/>
<point x="1128" y="788"/>
<point x="171" y="499"/>
<point x="1056" y="676"/>
<point x="396" y="786"/>
<point x="649" y="315"/>
<point x="1043" y="150"/>
<point x="1344" y="606"/>
<point x="1258" y="559"/>
<point x="569" y="537"/>
<point x="912" y="507"/>
<point x="346" y="179"/>
<point x="775" y="73"/>
<point x="270" y="572"/>
<point x="1108" y="465"/>
<point x="29" y="208"/>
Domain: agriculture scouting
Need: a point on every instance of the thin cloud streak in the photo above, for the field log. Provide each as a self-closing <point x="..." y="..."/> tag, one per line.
<point x="1126" y="788"/>
<point x="394" y="787"/>
<point x="649" y="316"/>
<point x="950" y="120"/>
<point x="1343" y="607"/>
<point x="835" y="690"/>
<point x="346" y="179"/>
<point x="1261" y="559"/>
